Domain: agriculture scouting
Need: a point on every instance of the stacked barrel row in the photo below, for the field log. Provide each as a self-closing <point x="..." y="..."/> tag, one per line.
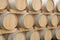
<point x="11" y="21"/>
<point x="32" y="5"/>
<point x="45" y="34"/>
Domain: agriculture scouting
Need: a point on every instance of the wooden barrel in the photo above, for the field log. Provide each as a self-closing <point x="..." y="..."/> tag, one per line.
<point x="59" y="19"/>
<point x="33" y="35"/>
<point x="26" y="21"/>
<point x="41" y="20"/>
<point x="46" y="34"/>
<point x="18" y="4"/>
<point x="56" y="33"/>
<point x="48" y="5"/>
<point x="8" y="21"/>
<point x="57" y="5"/>
<point x="34" y="5"/>
<point x="53" y="20"/>
<point x="2" y="37"/>
<point x="17" y="36"/>
<point x="3" y="4"/>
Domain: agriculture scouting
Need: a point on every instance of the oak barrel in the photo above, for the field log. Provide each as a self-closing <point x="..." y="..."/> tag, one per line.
<point x="26" y="20"/>
<point x="17" y="36"/>
<point x="57" y="5"/>
<point x="53" y="20"/>
<point x="48" y="5"/>
<point x="56" y="33"/>
<point x="34" y="5"/>
<point x="41" y="20"/>
<point x="8" y="21"/>
<point x="18" y="4"/>
<point x="46" y="34"/>
<point x="33" y="35"/>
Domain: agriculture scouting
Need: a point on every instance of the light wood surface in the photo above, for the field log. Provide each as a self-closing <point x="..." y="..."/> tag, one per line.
<point x="56" y="33"/>
<point x="25" y="30"/>
<point x="3" y="4"/>
<point x="57" y="5"/>
<point x="26" y="21"/>
<point x="34" y="5"/>
<point x="7" y="31"/>
<point x="53" y="20"/>
<point x="8" y="21"/>
<point x="48" y="5"/>
<point x="33" y="12"/>
<point x="17" y="12"/>
<point x="33" y="35"/>
<point x="17" y="36"/>
<point x="46" y="34"/>
<point x="18" y="4"/>
<point x="41" y="20"/>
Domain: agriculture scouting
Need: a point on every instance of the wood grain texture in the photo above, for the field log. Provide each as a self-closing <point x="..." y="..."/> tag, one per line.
<point x="53" y="20"/>
<point x="7" y="31"/>
<point x="46" y="34"/>
<point x="34" y="5"/>
<point x="3" y="4"/>
<point x="18" y="4"/>
<point x="57" y="5"/>
<point x="17" y="36"/>
<point x="26" y="21"/>
<point x="56" y="33"/>
<point x="48" y="5"/>
<point x="17" y="12"/>
<point x="33" y="35"/>
<point x="41" y="20"/>
<point x="8" y="21"/>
